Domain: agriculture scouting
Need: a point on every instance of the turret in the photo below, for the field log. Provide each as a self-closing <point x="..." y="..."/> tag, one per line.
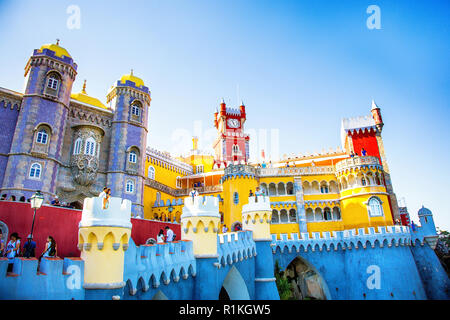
<point x="256" y="216"/>
<point x="376" y="114"/>
<point x="200" y="223"/>
<point x="223" y="108"/>
<point x="41" y="123"/>
<point x="427" y="222"/>
<point x="242" y="109"/>
<point x="130" y="100"/>
<point x="103" y="237"/>
<point x="237" y="182"/>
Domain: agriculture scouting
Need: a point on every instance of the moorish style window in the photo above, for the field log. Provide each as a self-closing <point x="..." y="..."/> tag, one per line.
<point x="132" y="160"/>
<point x="129" y="187"/>
<point x="42" y="136"/>
<point x="136" y="111"/>
<point x="151" y="173"/>
<point x="35" y="171"/>
<point x="375" y="207"/>
<point x="90" y="147"/>
<point x="236" y="198"/>
<point x="52" y="84"/>
<point x="132" y="157"/>
<point x="77" y="146"/>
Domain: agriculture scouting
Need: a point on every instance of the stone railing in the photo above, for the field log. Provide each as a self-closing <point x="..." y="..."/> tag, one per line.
<point x="357" y="161"/>
<point x="180" y="192"/>
<point x="239" y="168"/>
<point x="294" y="171"/>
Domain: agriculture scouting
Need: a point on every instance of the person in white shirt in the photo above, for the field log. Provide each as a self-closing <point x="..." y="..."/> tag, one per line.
<point x="169" y="235"/>
<point x="103" y="196"/>
<point x="224" y="229"/>
<point x="160" y="236"/>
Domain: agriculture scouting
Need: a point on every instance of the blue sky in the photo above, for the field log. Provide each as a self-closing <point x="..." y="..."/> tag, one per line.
<point x="299" y="66"/>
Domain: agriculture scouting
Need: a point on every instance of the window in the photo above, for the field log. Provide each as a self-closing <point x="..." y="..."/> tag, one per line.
<point x="327" y="214"/>
<point x="132" y="157"/>
<point x="336" y="213"/>
<point x="151" y="173"/>
<point x="323" y="187"/>
<point x="129" y="188"/>
<point x="42" y="136"/>
<point x="375" y="207"/>
<point x="52" y="82"/>
<point x="235" y="148"/>
<point x="283" y="216"/>
<point x="363" y="181"/>
<point x="135" y="110"/>
<point x="199" y="168"/>
<point x="35" y="171"/>
<point x="292" y="215"/>
<point x="77" y="146"/>
<point x="178" y="182"/>
<point x="90" y="147"/>
<point x="275" y="218"/>
<point x="236" y="198"/>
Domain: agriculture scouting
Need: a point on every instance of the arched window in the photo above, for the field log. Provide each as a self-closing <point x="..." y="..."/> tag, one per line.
<point x="135" y="110"/>
<point x="272" y="189"/>
<point x="53" y="83"/>
<point x="35" y="171"/>
<point x="158" y="197"/>
<point x="327" y="214"/>
<point x="336" y="213"/>
<point x="363" y="181"/>
<point x="292" y="215"/>
<point x="315" y="187"/>
<point x="129" y="187"/>
<point x="236" y="198"/>
<point x="281" y="190"/>
<point x="318" y="214"/>
<point x="283" y="216"/>
<point x="377" y="179"/>
<point x="199" y="168"/>
<point x="275" y="217"/>
<point x="306" y="187"/>
<point x="375" y="207"/>
<point x="309" y="215"/>
<point x="90" y="147"/>
<point x="323" y="187"/>
<point x="151" y="173"/>
<point x="290" y="188"/>
<point x="77" y="146"/>
<point x="263" y="187"/>
<point x="235" y="149"/>
<point x="178" y="182"/>
<point x="42" y="136"/>
<point x="132" y="157"/>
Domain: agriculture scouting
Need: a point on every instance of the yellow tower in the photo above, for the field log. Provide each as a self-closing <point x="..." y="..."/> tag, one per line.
<point x="363" y="196"/>
<point x="256" y="216"/>
<point x="200" y="224"/>
<point x="237" y="182"/>
<point x="102" y="239"/>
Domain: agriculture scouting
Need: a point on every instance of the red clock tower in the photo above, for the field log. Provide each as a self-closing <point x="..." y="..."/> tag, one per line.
<point x="232" y="144"/>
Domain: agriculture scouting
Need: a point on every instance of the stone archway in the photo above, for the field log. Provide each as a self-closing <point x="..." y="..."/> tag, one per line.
<point x="234" y="287"/>
<point x="306" y="281"/>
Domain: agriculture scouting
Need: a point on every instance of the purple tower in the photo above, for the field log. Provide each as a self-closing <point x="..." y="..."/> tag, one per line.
<point x="130" y="100"/>
<point x="35" y="153"/>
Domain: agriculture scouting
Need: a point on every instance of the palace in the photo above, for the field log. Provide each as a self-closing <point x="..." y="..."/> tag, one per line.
<point x="71" y="145"/>
<point x="329" y="220"/>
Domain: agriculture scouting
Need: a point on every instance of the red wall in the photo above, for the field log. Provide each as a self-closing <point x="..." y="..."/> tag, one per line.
<point x="62" y="224"/>
<point x="368" y="141"/>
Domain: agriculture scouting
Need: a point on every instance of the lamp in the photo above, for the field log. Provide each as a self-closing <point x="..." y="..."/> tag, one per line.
<point x="36" y="201"/>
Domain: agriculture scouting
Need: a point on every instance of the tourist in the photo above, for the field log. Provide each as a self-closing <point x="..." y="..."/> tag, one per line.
<point x="11" y="250"/>
<point x="3" y="197"/>
<point x="224" y="229"/>
<point x="106" y="199"/>
<point x="352" y="155"/>
<point x="12" y="198"/>
<point x="169" y="234"/>
<point x="29" y="247"/>
<point x="160" y="236"/>
<point x="102" y="195"/>
<point x="193" y="193"/>
<point x="413" y="226"/>
<point x="50" y="248"/>
<point x="264" y="164"/>
<point x="56" y="202"/>
<point x="363" y="152"/>
<point x="251" y="194"/>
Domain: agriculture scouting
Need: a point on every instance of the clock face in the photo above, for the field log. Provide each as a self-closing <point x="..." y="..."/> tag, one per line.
<point x="233" y="123"/>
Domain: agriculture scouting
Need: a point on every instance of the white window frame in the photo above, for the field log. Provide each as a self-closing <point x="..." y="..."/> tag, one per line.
<point x="42" y="136"/>
<point x="129" y="186"/>
<point x="379" y="209"/>
<point x="132" y="157"/>
<point x="53" y="83"/>
<point x="199" y="168"/>
<point x="77" y="146"/>
<point x="90" y="147"/>
<point x="151" y="172"/>
<point x="35" y="167"/>
<point x="135" y="110"/>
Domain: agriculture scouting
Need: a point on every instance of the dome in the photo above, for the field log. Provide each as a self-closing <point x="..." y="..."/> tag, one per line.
<point x="84" y="98"/>
<point x="424" y="212"/>
<point x="130" y="77"/>
<point x="59" y="51"/>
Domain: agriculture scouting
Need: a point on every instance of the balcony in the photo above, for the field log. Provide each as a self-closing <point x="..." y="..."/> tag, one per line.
<point x="356" y="162"/>
<point x="294" y="171"/>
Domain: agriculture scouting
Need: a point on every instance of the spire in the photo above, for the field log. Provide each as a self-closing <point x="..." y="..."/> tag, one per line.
<point x="57" y="42"/>
<point x="242" y="103"/>
<point x="84" y="87"/>
<point x="131" y="72"/>
<point x="222" y="101"/>
<point x="374" y="105"/>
